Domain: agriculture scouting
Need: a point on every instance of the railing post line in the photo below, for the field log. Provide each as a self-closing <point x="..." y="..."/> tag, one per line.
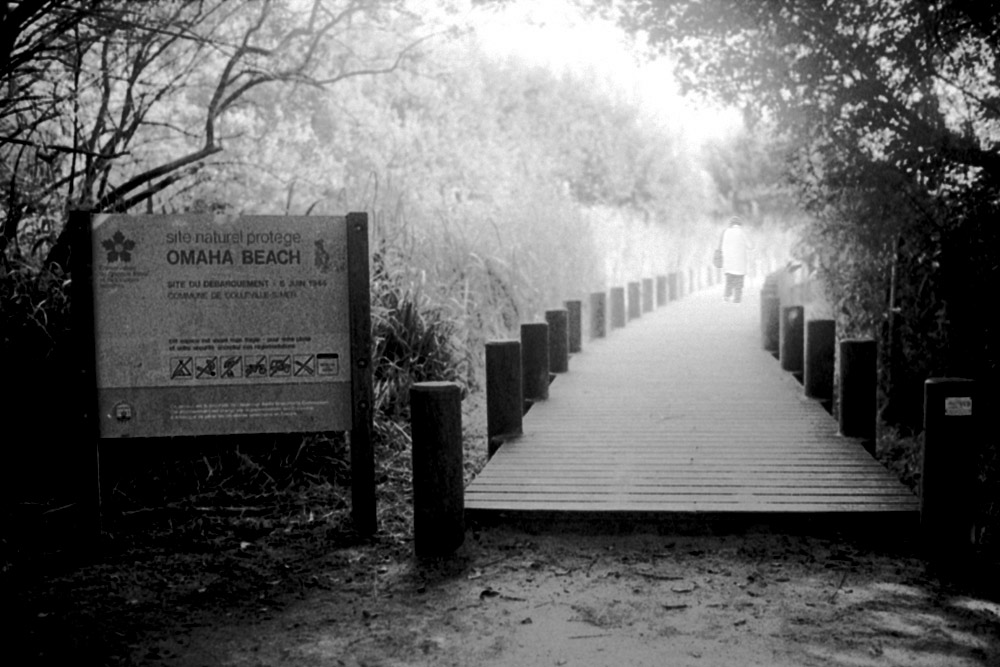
<point x="574" y="308"/>
<point x="438" y="484"/>
<point x="558" y="321"/>
<point x="535" y="361"/>
<point x="792" y="336"/>
<point x="617" y="307"/>
<point x="598" y="315"/>
<point x="948" y="473"/>
<point x="856" y="404"/>
<point x="504" y="392"/>
<point x="820" y="350"/>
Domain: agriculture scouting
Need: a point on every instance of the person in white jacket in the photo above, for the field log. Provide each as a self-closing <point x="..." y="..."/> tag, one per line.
<point x="736" y="247"/>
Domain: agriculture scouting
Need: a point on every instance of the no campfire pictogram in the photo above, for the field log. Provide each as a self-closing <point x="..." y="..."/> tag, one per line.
<point x="181" y="368"/>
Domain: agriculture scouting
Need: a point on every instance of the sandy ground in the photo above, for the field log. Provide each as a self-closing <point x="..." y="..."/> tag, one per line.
<point x="512" y="597"/>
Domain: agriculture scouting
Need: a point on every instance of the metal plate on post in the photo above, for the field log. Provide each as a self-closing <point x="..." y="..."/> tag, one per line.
<point x="958" y="406"/>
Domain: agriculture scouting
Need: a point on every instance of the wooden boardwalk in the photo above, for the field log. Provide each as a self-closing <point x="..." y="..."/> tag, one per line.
<point x="682" y="413"/>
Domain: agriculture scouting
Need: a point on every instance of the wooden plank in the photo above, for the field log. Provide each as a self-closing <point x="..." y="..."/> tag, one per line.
<point x="682" y="414"/>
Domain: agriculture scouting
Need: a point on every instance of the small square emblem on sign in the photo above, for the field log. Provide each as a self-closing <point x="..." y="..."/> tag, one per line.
<point x="328" y="364"/>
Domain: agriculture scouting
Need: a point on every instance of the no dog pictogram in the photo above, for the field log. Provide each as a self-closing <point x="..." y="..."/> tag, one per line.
<point x="206" y="368"/>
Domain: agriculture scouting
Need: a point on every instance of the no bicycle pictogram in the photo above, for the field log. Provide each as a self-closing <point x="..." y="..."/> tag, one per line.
<point x="181" y="368"/>
<point x="305" y="365"/>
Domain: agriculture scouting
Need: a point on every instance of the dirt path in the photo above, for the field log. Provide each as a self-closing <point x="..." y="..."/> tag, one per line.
<point x="513" y="598"/>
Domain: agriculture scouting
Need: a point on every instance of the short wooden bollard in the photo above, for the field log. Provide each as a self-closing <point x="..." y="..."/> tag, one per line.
<point x="690" y="282"/>
<point x="792" y="336"/>
<point x="647" y="295"/>
<point x="438" y="485"/>
<point x="598" y="315"/>
<point x="661" y="290"/>
<point x="558" y="321"/>
<point x="672" y="285"/>
<point x="574" y="309"/>
<point x="770" y="318"/>
<point x="856" y="402"/>
<point x="948" y="473"/>
<point x="535" y="361"/>
<point x="634" y="300"/>
<point x="820" y="350"/>
<point x="617" y="307"/>
<point x="504" y="393"/>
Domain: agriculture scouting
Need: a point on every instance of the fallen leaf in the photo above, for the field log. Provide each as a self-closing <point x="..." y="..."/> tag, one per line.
<point x="488" y="593"/>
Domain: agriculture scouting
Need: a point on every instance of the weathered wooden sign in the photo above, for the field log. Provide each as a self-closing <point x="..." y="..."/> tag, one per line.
<point x="195" y="325"/>
<point x="210" y="324"/>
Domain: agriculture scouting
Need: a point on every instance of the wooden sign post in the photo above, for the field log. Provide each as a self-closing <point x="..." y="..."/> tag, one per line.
<point x="195" y="325"/>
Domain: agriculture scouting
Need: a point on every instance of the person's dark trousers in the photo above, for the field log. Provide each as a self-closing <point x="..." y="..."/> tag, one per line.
<point x="734" y="287"/>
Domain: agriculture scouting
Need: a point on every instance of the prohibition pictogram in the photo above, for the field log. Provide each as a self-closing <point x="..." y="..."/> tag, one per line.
<point x="255" y="366"/>
<point x="305" y="365"/>
<point x="180" y="368"/>
<point x="281" y="366"/>
<point x="206" y="368"/>
<point x="232" y="366"/>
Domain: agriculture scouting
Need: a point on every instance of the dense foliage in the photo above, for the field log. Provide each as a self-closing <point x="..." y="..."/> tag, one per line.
<point x="495" y="188"/>
<point x="890" y="113"/>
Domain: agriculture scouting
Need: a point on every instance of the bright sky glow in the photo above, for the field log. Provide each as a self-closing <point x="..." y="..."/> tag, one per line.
<point x="554" y="34"/>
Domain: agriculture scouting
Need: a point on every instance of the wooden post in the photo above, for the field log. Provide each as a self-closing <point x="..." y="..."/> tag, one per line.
<point x="504" y="393"/>
<point x="647" y="295"/>
<point x="672" y="285"/>
<point x="857" y="400"/>
<point x="558" y="321"/>
<point x="770" y="316"/>
<point x="690" y="282"/>
<point x="792" y="336"/>
<point x="661" y="290"/>
<point x="362" y="400"/>
<point x="634" y="305"/>
<point x="948" y="473"/>
<point x="85" y="457"/>
<point x="535" y="361"/>
<point x="438" y="484"/>
<point x="617" y="307"/>
<point x="574" y="308"/>
<point x="598" y="315"/>
<point x="821" y="338"/>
